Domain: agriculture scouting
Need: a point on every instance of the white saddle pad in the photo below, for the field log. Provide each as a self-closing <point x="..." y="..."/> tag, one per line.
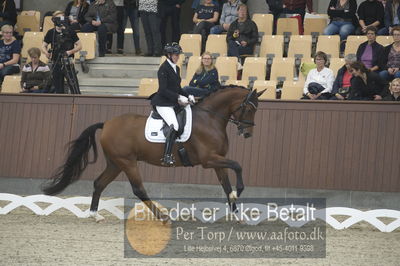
<point x="153" y="132"/>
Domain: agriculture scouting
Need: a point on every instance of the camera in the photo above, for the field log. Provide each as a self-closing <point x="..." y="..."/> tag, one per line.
<point x="60" y="21"/>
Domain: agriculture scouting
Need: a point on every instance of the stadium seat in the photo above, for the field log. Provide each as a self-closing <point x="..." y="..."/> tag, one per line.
<point x="314" y="25"/>
<point x="47" y="24"/>
<point x="292" y="90"/>
<point x="270" y="85"/>
<point x="287" y="25"/>
<point x="384" y="40"/>
<point x="147" y="87"/>
<point x="243" y="83"/>
<point x="329" y="44"/>
<point x="28" y="21"/>
<point x="11" y="84"/>
<point x="300" y="45"/>
<point x="254" y="68"/>
<point x="227" y="67"/>
<point x="216" y="45"/>
<point x="191" y="44"/>
<point x="271" y="44"/>
<point x="265" y="23"/>
<point x="88" y="41"/>
<point x="353" y="42"/>
<point x="32" y="39"/>
<point x="193" y="65"/>
<point x="282" y="67"/>
<point x="336" y="64"/>
<point x="185" y="82"/>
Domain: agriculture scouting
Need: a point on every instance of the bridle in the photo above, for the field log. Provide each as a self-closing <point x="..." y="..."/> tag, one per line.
<point x="240" y="122"/>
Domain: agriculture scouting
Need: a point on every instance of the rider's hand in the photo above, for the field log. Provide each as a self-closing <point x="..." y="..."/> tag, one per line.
<point x="192" y="99"/>
<point x="182" y="100"/>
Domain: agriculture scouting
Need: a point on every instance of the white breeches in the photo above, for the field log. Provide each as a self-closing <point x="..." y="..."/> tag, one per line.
<point x="168" y="114"/>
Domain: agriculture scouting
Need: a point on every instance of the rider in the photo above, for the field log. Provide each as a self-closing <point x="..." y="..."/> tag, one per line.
<point x="169" y="96"/>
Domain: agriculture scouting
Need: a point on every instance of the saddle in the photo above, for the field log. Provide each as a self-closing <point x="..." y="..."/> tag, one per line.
<point x="155" y="129"/>
<point x="180" y="116"/>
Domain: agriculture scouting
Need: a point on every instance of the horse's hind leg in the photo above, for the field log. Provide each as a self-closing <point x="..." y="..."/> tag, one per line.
<point x="105" y="178"/>
<point x="133" y="175"/>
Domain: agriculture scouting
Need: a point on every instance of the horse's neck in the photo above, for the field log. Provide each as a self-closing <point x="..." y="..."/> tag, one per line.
<point x="223" y="102"/>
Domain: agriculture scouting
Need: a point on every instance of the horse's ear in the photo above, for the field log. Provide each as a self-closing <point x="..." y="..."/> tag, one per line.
<point x="260" y="93"/>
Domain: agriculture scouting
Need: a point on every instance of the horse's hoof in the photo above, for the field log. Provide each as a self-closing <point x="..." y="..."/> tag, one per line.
<point x="233" y="196"/>
<point x="97" y="217"/>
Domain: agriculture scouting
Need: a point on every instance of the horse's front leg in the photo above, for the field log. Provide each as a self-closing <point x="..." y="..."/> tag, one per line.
<point x="218" y="162"/>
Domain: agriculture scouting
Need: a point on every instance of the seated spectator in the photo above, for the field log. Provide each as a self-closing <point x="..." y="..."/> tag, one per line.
<point x="394" y="89"/>
<point x="391" y="17"/>
<point x="341" y="86"/>
<point x="196" y="4"/>
<point x="370" y="52"/>
<point x="390" y="60"/>
<point x="36" y="74"/>
<point x="370" y="13"/>
<point x="101" y="17"/>
<point x="342" y="14"/>
<point x="10" y="50"/>
<point x="76" y="11"/>
<point x="228" y="15"/>
<point x="297" y="7"/>
<point x="205" y="80"/>
<point x="365" y="85"/>
<point x="148" y="10"/>
<point x="8" y="14"/>
<point x="318" y="85"/>
<point x="204" y="18"/>
<point x="242" y="34"/>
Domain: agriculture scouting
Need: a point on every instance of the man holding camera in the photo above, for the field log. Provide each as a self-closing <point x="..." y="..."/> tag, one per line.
<point x="64" y="43"/>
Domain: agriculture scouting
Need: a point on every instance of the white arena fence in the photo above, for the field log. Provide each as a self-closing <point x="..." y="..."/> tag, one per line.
<point x="114" y="207"/>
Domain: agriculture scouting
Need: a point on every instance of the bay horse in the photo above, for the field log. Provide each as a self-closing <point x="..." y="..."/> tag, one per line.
<point x="124" y="144"/>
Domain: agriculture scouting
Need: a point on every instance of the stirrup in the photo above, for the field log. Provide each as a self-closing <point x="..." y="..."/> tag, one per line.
<point x="168" y="160"/>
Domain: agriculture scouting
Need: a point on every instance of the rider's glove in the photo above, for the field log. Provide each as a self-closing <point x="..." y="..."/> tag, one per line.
<point x="183" y="99"/>
<point x="192" y="99"/>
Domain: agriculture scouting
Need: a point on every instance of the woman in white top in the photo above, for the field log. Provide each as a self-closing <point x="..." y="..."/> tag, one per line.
<point x="319" y="80"/>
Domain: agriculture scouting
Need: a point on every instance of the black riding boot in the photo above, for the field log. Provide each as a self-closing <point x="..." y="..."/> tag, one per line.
<point x="168" y="159"/>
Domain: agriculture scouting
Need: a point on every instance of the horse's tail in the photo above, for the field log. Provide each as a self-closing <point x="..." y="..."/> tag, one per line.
<point x="76" y="163"/>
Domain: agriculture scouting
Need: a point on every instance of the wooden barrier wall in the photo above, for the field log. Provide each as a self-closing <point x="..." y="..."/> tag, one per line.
<point x="313" y="145"/>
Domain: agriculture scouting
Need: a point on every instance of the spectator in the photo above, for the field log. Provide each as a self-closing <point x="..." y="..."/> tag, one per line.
<point x="297" y="7"/>
<point x="205" y="79"/>
<point x="8" y="14"/>
<point x="341" y="86"/>
<point x="126" y="9"/>
<point x="390" y="63"/>
<point x="370" y="13"/>
<point x="391" y="17"/>
<point x="228" y="15"/>
<point x="342" y="14"/>
<point x="36" y="74"/>
<point x="370" y="52"/>
<point x="64" y="42"/>
<point x="365" y="85"/>
<point x="10" y="50"/>
<point x="318" y="85"/>
<point x="394" y="94"/>
<point x="170" y="9"/>
<point x="204" y="18"/>
<point x="196" y="4"/>
<point x="242" y="34"/>
<point x="148" y="10"/>
<point x="101" y="17"/>
<point x="76" y="11"/>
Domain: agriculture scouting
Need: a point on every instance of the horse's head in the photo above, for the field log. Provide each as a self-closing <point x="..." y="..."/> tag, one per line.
<point x="243" y="116"/>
